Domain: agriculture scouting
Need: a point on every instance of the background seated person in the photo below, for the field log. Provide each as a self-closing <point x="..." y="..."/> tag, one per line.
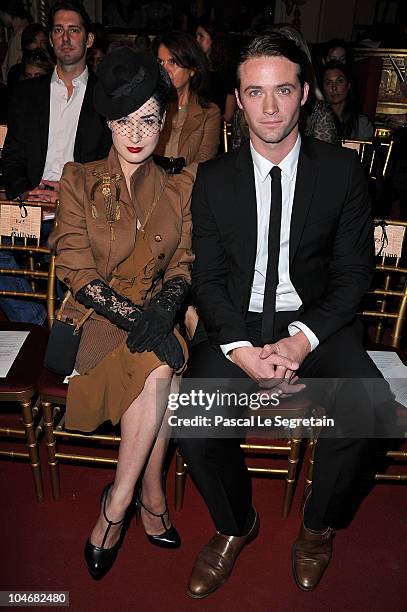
<point x="35" y="64"/>
<point x="192" y="125"/>
<point x="339" y="92"/>
<point x="221" y="66"/>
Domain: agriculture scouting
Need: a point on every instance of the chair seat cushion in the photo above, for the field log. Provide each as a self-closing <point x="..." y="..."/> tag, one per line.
<point x="51" y="386"/>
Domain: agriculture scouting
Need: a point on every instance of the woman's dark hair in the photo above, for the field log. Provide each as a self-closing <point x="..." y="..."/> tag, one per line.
<point x="188" y="54"/>
<point x="339" y="42"/>
<point x="30" y="32"/>
<point x="39" y="58"/>
<point x="76" y="7"/>
<point x="349" y="122"/>
<point x="162" y="90"/>
<point x="221" y="57"/>
<point x="274" y="44"/>
<point x="15" y="8"/>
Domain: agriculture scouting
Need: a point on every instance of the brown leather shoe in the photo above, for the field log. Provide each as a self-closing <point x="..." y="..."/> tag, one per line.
<point x="215" y="562"/>
<point x="311" y="554"/>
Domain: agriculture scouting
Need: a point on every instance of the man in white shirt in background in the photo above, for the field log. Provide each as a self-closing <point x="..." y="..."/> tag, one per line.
<point x="52" y="121"/>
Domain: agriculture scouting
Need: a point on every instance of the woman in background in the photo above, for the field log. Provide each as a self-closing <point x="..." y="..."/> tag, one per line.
<point x="35" y="64"/>
<point x="33" y="38"/>
<point x="192" y="126"/>
<point x="339" y="92"/>
<point x="221" y="67"/>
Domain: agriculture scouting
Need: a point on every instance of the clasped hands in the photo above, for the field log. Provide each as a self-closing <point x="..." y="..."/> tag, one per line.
<point x="46" y="191"/>
<point x="153" y="331"/>
<point x="274" y="366"/>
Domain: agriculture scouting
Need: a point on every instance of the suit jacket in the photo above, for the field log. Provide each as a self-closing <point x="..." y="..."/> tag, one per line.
<point x="26" y="144"/>
<point x="85" y="246"/>
<point x="199" y="139"/>
<point x="331" y="240"/>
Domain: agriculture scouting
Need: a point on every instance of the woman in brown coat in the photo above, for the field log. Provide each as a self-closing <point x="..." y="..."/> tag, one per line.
<point x="123" y="245"/>
<point x="192" y="126"/>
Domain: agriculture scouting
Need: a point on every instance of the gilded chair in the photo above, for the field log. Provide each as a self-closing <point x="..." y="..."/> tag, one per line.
<point x="384" y="312"/>
<point x="288" y="448"/>
<point x="19" y="433"/>
<point x="227" y="136"/>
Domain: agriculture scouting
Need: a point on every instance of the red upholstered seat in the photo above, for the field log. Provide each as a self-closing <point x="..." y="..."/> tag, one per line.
<point x="51" y="386"/>
<point x="23" y="376"/>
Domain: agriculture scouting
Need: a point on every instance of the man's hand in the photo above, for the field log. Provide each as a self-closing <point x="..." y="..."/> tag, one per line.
<point x="263" y="371"/>
<point x="41" y="193"/>
<point x="294" y="348"/>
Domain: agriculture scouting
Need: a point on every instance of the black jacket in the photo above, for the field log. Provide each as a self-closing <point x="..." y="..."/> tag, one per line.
<point x="331" y="240"/>
<point x="26" y="144"/>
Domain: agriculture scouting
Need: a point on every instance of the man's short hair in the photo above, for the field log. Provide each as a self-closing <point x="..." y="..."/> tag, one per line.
<point x="76" y="7"/>
<point x="275" y="44"/>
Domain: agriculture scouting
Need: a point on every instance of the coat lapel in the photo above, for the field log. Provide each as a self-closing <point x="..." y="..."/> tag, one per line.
<point x="307" y="172"/>
<point x="191" y="124"/>
<point x="244" y="207"/>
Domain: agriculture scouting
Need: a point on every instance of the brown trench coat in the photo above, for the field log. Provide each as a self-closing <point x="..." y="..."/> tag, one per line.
<point x="88" y="248"/>
<point x="199" y="138"/>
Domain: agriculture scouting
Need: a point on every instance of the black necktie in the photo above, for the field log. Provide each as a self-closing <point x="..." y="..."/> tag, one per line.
<point x="270" y="290"/>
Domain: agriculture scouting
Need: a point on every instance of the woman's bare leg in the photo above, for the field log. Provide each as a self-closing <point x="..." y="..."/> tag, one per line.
<point x="153" y="495"/>
<point x="139" y="425"/>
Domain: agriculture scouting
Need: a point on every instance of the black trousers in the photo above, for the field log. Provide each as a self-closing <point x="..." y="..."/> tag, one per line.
<point x="218" y="466"/>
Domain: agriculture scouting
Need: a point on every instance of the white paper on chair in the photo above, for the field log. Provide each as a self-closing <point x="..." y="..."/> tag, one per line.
<point x="10" y="345"/>
<point x="394" y="371"/>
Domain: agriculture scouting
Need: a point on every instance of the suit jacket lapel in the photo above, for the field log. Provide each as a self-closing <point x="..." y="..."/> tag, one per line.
<point x="43" y="117"/>
<point x="307" y="172"/>
<point x="86" y="114"/>
<point x="245" y="207"/>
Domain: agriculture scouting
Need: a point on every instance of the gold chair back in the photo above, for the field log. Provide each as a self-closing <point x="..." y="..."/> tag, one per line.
<point x="20" y="234"/>
<point x="386" y="302"/>
<point x="369" y="152"/>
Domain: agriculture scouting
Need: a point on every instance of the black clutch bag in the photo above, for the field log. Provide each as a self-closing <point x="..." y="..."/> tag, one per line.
<point x="172" y="165"/>
<point x="63" y="342"/>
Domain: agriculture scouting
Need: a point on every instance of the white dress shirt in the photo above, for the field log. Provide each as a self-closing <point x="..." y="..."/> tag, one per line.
<point x="63" y="123"/>
<point x="287" y="299"/>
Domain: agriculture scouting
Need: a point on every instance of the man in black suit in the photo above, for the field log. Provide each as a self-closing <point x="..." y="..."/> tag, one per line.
<point x="277" y="287"/>
<point x="51" y="121"/>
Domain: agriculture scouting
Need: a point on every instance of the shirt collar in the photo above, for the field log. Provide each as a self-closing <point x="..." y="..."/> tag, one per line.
<point x="81" y="79"/>
<point x="288" y="165"/>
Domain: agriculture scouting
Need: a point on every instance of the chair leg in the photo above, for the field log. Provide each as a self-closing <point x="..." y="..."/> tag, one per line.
<point x="180" y="479"/>
<point x="308" y="481"/>
<point x="51" y="448"/>
<point x="26" y="408"/>
<point x="292" y="474"/>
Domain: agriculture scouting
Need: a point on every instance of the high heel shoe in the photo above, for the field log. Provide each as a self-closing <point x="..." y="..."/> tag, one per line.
<point x="169" y="538"/>
<point x="99" y="559"/>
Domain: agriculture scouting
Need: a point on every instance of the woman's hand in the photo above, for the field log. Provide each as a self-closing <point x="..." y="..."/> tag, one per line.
<point x="150" y="329"/>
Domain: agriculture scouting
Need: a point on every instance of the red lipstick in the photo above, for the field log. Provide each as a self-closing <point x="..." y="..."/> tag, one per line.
<point x="134" y="149"/>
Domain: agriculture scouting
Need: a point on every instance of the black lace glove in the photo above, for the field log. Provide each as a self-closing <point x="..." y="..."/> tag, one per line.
<point x="105" y="301"/>
<point x="170" y="352"/>
<point x="157" y="321"/>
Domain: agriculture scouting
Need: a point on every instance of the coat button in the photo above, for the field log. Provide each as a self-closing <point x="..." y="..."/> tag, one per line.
<point x="157" y="238"/>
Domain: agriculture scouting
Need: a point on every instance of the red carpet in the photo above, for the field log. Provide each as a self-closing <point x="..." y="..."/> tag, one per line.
<point x="43" y="544"/>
